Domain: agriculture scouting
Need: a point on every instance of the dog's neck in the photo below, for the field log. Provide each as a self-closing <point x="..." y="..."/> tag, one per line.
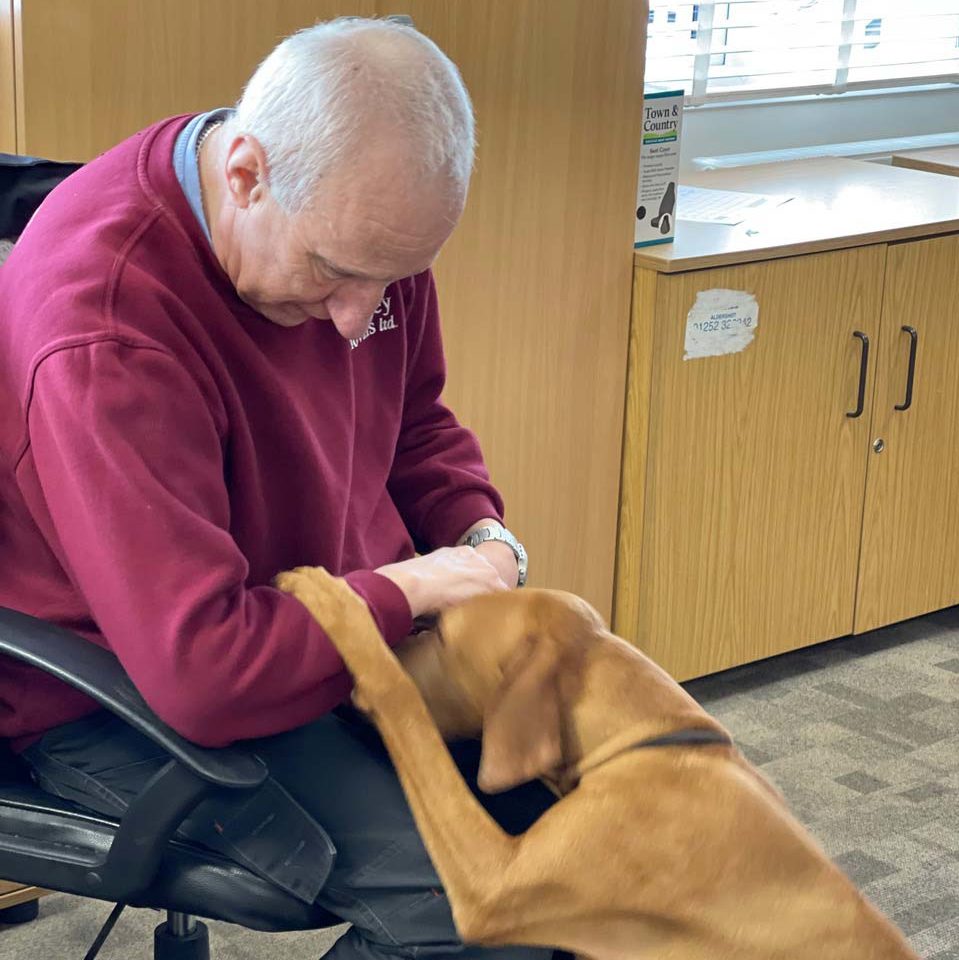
<point x="623" y="699"/>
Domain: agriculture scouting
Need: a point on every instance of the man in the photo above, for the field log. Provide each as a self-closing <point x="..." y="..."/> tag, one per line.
<point x="220" y="357"/>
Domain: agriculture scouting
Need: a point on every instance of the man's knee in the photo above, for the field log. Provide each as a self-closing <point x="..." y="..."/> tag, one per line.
<point x="398" y="909"/>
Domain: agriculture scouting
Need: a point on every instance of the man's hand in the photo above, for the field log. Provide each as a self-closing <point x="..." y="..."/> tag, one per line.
<point x="448" y="576"/>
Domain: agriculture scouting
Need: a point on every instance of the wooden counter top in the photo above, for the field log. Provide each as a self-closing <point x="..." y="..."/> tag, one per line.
<point x="838" y="203"/>
<point x="935" y="160"/>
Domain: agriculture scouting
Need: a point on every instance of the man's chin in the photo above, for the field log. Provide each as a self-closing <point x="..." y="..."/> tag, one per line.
<point x="283" y="316"/>
<point x="284" y="320"/>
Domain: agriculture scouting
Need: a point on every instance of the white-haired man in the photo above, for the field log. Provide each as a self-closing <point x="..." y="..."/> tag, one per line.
<point x="220" y="357"/>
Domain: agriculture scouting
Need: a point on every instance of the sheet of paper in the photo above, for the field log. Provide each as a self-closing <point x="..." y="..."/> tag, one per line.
<point x="720" y="321"/>
<point x="724" y="206"/>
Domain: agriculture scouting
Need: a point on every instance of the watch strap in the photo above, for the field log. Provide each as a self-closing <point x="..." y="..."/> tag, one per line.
<point x="490" y="533"/>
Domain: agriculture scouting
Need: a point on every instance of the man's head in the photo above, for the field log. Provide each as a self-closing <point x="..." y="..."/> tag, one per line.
<point x="344" y="168"/>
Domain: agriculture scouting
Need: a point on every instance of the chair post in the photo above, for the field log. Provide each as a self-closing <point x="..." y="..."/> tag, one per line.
<point x="180" y="924"/>
<point x="181" y="937"/>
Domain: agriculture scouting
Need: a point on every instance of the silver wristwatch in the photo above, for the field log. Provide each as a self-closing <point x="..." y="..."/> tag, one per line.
<point x="496" y="532"/>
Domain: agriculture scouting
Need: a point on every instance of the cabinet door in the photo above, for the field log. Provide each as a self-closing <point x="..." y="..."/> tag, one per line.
<point x="754" y="472"/>
<point x="910" y="544"/>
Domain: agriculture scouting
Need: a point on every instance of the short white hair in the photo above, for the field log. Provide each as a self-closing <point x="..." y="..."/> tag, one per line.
<point x="322" y="92"/>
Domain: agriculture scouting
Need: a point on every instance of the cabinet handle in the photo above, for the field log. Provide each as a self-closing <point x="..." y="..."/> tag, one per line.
<point x="863" y="366"/>
<point x="911" y="375"/>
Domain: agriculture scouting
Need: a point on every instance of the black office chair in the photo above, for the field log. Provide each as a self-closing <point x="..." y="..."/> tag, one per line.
<point x="135" y="860"/>
<point x="49" y="842"/>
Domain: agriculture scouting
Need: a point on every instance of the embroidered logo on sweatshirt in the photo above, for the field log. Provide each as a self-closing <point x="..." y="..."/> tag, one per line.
<point x="382" y="319"/>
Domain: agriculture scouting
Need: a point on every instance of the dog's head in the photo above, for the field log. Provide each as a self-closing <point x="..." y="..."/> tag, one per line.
<point x="518" y="660"/>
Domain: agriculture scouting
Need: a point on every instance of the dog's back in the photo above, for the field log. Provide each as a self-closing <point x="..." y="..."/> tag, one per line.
<point x="696" y="844"/>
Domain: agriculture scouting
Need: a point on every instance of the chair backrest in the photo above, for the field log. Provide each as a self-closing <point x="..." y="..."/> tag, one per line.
<point x="24" y="184"/>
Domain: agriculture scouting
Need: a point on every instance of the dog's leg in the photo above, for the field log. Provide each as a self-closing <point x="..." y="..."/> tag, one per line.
<point x="472" y="854"/>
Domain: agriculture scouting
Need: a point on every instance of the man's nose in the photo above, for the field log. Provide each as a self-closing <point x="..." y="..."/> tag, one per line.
<point x="351" y="310"/>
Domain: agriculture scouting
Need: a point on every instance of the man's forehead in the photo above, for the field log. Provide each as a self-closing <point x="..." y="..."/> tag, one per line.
<point x="390" y="207"/>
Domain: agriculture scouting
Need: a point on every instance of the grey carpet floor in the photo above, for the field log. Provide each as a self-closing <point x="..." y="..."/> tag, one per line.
<point x="861" y="735"/>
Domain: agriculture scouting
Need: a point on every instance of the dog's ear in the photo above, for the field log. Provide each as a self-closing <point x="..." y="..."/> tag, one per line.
<point x="522" y="731"/>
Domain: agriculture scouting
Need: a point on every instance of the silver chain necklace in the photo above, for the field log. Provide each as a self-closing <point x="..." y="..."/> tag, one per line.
<point x="200" y="140"/>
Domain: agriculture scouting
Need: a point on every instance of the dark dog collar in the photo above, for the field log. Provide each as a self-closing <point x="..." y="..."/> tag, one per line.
<point x="686" y="738"/>
<point x="567" y="779"/>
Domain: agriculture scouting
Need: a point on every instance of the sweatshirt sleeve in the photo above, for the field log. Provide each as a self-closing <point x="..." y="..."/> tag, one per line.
<point x="123" y="472"/>
<point x="439" y="481"/>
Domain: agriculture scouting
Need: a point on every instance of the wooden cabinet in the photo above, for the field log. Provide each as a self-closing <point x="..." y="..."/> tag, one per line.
<point x="943" y="160"/>
<point x="756" y="515"/>
<point x="754" y="473"/>
<point x="910" y="540"/>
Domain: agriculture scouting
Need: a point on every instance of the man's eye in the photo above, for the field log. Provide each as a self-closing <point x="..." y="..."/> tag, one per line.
<point x="326" y="271"/>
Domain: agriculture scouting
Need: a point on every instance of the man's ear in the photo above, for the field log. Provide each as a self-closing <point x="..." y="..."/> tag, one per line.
<point x="246" y="170"/>
<point x="522" y="731"/>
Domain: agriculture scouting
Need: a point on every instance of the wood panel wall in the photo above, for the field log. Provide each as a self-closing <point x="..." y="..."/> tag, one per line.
<point x="534" y="285"/>
<point x="8" y="116"/>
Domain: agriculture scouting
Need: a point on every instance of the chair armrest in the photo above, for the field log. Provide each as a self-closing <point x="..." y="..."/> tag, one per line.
<point x="193" y="774"/>
<point x="97" y="673"/>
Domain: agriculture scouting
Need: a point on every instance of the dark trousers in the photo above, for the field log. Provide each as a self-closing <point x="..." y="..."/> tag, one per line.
<point x="331" y="786"/>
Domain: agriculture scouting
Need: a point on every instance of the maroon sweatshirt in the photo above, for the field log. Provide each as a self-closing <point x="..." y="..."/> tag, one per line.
<point x="165" y="450"/>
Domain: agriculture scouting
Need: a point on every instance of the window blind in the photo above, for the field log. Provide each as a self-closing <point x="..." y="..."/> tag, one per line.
<point x="742" y="49"/>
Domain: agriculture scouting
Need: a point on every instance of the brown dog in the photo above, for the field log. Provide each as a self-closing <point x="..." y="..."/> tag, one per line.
<point x="667" y="852"/>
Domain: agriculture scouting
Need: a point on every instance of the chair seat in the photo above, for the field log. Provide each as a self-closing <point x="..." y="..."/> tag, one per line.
<point x="191" y="879"/>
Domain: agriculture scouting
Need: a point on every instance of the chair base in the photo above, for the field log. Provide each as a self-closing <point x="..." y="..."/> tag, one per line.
<point x="21" y="913"/>
<point x="191" y="944"/>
